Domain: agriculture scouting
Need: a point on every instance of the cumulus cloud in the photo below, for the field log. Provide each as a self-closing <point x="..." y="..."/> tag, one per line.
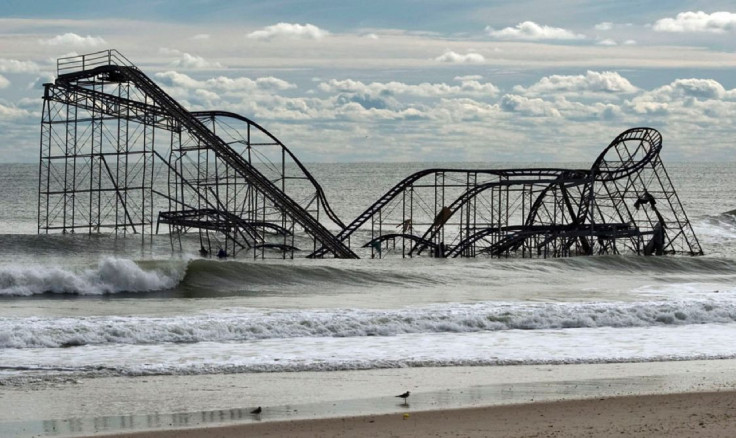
<point x="591" y="81"/>
<point x="190" y="61"/>
<point x="16" y="66"/>
<point x="181" y="80"/>
<point x="606" y="25"/>
<point x="74" y="40"/>
<point x="289" y="30"/>
<point x="684" y="95"/>
<point x="9" y="112"/>
<point x="395" y="88"/>
<point x="4" y="82"/>
<point x="531" y="107"/>
<point x="717" y="22"/>
<point x="457" y="58"/>
<point x="529" y="30"/>
<point x="702" y="89"/>
<point x="463" y="110"/>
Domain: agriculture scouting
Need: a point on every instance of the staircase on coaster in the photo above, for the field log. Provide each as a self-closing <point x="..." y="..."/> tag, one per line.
<point x="119" y="154"/>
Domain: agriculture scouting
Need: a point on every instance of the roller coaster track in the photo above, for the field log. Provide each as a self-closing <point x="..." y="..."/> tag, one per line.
<point x="381" y="202"/>
<point x="520" y="233"/>
<point x="118" y="153"/>
<point x="408" y="181"/>
<point x="318" y="188"/>
<point x="564" y="176"/>
<point x="197" y="129"/>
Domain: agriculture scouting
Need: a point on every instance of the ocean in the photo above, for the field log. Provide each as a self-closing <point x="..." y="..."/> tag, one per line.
<point x="99" y="305"/>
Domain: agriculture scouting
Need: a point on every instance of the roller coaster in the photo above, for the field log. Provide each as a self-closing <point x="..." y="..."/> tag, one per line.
<point x="119" y="155"/>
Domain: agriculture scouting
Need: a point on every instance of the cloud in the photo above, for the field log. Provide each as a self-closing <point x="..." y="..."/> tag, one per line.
<point x="424" y="89"/>
<point x="456" y="58"/>
<point x="592" y="81"/>
<point x="367" y="101"/>
<point x="701" y="89"/>
<point x="189" y="61"/>
<point x="201" y="36"/>
<point x="531" y="107"/>
<point x="289" y="30"/>
<point x="9" y="112"/>
<point x="606" y="25"/>
<point x="468" y="78"/>
<point x="463" y="110"/>
<point x="692" y="96"/>
<point x="717" y="22"/>
<point x="607" y="42"/>
<point x="192" y="61"/>
<point x="222" y="83"/>
<point x="529" y="30"/>
<point x="45" y="77"/>
<point x="72" y="39"/>
<point x="16" y="66"/>
<point x="4" y="82"/>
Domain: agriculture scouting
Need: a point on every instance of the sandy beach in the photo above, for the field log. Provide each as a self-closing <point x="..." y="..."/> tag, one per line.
<point x="683" y="398"/>
<point x="671" y="415"/>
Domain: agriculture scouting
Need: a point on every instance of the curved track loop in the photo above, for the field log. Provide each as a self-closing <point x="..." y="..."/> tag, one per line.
<point x="627" y="154"/>
<point x="569" y="211"/>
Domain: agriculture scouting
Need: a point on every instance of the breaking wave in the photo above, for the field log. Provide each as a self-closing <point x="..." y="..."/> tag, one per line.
<point x="35" y="332"/>
<point x="111" y="275"/>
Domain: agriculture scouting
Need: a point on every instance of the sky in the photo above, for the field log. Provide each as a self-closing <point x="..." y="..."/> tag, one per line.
<point x="527" y="81"/>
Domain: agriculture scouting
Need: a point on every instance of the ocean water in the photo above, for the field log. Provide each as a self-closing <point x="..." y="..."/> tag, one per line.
<point x="79" y="305"/>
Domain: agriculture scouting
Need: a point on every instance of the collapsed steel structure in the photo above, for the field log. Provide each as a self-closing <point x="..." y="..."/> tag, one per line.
<point x="120" y="155"/>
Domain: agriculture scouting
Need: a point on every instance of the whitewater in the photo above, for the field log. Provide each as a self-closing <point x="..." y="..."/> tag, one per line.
<point x="78" y="305"/>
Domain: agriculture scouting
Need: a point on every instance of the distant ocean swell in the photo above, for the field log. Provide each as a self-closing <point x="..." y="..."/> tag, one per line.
<point x="117" y="275"/>
<point x="114" y="275"/>
<point x="36" y="332"/>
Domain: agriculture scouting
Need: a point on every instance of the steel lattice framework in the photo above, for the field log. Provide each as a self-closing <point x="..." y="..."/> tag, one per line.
<point x="119" y="155"/>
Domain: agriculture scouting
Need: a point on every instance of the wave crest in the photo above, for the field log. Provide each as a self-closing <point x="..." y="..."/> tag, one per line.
<point x="111" y="275"/>
<point x="68" y="332"/>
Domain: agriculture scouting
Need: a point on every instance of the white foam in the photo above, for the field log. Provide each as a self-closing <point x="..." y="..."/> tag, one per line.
<point x="111" y="275"/>
<point x="245" y="325"/>
<point x="582" y="345"/>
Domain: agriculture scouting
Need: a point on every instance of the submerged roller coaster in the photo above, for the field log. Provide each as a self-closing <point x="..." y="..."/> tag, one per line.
<point x="119" y="155"/>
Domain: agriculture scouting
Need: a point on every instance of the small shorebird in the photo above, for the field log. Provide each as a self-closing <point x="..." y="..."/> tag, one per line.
<point x="257" y="410"/>
<point x="405" y="396"/>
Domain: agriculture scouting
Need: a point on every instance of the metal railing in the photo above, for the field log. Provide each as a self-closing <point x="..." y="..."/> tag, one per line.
<point x="72" y="64"/>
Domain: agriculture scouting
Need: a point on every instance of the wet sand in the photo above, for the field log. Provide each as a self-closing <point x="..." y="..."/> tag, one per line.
<point x="469" y="401"/>
<point x="672" y="415"/>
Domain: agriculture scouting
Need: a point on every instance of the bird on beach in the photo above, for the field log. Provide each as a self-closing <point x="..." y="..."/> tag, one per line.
<point x="405" y="396"/>
<point x="257" y="410"/>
